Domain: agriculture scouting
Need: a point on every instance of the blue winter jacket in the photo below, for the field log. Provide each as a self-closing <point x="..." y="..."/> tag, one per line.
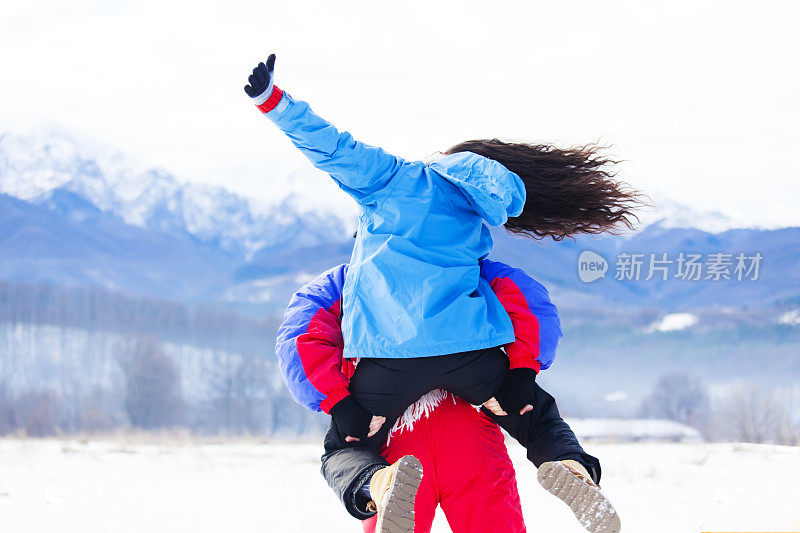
<point x="309" y="344"/>
<point x="413" y="288"/>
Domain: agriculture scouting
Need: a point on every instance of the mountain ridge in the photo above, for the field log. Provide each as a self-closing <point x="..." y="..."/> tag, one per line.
<point x="32" y="166"/>
<point x="88" y="214"/>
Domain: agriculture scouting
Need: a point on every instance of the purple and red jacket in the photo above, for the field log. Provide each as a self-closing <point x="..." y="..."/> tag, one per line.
<point x="309" y="345"/>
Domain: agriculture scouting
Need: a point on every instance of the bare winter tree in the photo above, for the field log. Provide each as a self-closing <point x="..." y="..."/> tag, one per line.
<point x="37" y="413"/>
<point x="241" y="388"/>
<point x="8" y="419"/>
<point x="680" y="398"/>
<point x="153" y="397"/>
<point x="99" y="410"/>
<point x="750" y="414"/>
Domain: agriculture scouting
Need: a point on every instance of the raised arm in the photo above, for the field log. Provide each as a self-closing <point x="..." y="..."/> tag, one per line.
<point x="365" y="172"/>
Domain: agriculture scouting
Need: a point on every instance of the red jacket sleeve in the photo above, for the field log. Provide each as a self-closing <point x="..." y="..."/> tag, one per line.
<point x="524" y="351"/>
<point x="537" y="327"/>
<point x="320" y="349"/>
<point x="309" y="344"/>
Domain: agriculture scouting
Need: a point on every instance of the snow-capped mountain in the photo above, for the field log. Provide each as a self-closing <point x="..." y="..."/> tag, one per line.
<point x="80" y="213"/>
<point x="668" y="214"/>
<point x="42" y="159"/>
<point x="37" y="164"/>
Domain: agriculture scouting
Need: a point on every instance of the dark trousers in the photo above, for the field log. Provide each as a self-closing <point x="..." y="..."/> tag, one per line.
<point x="387" y="387"/>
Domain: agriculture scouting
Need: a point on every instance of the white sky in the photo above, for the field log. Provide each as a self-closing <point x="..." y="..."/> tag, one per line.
<point x="701" y="98"/>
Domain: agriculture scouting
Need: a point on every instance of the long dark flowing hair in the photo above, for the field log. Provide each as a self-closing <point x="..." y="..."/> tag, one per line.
<point x="569" y="190"/>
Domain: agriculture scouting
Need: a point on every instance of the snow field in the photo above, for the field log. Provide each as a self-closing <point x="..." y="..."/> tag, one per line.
<point x="242" y="486"/>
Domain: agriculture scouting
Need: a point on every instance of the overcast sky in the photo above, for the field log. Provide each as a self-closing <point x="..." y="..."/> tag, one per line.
<point x="700" y="98"/>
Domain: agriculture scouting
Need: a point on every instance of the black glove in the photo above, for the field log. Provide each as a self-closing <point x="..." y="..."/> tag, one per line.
<point x="517" y="390"/>
<point x="350" y="418"/>
<point x="261" y="79"/>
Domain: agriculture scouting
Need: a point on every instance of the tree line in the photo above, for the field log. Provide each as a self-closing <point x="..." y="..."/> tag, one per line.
<point x="737" y="413"/>
<point x="243" y="391"/>
<point x="96" y="309"/>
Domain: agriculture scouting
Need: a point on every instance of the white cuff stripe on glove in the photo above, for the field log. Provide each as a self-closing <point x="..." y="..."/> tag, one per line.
<point x="263" y="97"/>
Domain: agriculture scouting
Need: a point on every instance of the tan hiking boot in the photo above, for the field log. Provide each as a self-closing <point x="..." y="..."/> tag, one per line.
<point x="569" y="481"/>
<point x="393" y="491"/>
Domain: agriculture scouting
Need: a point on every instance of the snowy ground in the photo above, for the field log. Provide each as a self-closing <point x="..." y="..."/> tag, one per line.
<point x="67" y="485"/>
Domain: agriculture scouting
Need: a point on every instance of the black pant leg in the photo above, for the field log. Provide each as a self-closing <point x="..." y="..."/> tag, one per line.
<point x="473" y="376"/>
<point x="386" y="387"/>
<point x="477" y="375"/>
<point x="347" y="468"/>
<point x="546" y="435"/>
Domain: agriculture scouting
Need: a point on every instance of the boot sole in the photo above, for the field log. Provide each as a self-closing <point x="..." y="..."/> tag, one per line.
<point x="397" y="515"/>
<point x="590" y="506"/>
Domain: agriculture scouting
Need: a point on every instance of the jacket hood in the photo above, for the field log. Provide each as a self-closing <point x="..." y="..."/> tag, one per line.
<point x="494" y="192"/>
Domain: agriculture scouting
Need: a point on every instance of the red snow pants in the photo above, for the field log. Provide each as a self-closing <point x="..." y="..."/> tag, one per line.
<point x="466" y="470"/>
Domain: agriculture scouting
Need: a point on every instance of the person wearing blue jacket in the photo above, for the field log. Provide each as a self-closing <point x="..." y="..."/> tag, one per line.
<point x="415" y="310"/>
